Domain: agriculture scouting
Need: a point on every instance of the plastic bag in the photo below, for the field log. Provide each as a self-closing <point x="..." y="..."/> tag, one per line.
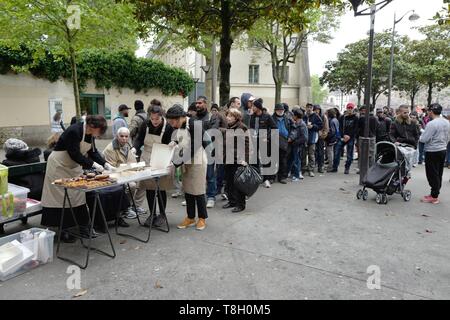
<point x="247" y="180"/>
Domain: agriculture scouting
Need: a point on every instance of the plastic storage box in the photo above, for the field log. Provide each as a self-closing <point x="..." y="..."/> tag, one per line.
<point x="13" y="204"/>
<point x="37" y="249"/>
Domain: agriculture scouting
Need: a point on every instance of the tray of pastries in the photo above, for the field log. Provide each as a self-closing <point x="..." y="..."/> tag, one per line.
<point x="86" y="181"/>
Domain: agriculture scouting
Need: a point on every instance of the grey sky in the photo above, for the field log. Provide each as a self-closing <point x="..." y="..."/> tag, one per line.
<point x="355" y="28"/>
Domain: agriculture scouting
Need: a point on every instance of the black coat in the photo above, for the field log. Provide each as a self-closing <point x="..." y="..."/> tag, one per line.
<point x="405" y="132"/>
<point x="34" y="181"/>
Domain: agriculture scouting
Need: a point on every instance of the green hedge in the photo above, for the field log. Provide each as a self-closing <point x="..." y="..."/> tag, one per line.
<point x="108" y="69"/>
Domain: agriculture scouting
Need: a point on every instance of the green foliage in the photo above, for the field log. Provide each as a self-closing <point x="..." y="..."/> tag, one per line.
<point x="108" y="69"/>
<point x="319" y="93"/>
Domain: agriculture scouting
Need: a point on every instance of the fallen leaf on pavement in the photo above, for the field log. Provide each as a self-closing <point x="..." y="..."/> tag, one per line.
<point x="123" y="241"/>
<point x="342" y="189"/>
<point x="306" y="209"/>
<point x="137" y="248"/>
<point x="80" y="294"/>
<point x="158" y="285"/>
<point x="425" y="215"/>
<point x="429" y="231"/>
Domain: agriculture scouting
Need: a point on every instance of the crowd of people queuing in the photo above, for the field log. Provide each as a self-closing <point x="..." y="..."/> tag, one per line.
<point x="311" y="140"/>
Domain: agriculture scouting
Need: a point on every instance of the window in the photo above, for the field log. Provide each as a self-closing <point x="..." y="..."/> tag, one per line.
<point x="253" y="73"/>
<point x="285" y="75"/>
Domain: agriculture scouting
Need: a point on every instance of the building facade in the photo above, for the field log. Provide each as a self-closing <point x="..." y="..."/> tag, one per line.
<point x="251" y="71"/>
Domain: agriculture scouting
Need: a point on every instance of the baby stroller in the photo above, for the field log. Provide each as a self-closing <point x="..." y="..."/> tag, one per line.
<point x="388" y="175"/>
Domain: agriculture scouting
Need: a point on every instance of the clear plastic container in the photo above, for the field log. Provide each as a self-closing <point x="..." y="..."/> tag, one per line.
<point x="35" y="240"/>
<point x="13" y="204"/>
<point x="3" y="179"/>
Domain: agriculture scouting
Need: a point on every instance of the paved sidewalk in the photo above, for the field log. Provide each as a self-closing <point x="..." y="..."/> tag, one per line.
<point x="311" y="240"/>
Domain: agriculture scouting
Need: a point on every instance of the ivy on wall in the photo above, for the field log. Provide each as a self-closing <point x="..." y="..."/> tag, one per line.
<point x="121" y="69"/>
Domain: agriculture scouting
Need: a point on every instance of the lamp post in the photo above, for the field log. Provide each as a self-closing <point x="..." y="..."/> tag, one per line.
<point x="412" y="17"/>
<point x="196" y="80"/>
<point x="365" y="141"/>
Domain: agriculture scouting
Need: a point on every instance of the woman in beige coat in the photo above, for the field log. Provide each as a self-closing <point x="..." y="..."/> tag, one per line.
<point x="190" y="154"/>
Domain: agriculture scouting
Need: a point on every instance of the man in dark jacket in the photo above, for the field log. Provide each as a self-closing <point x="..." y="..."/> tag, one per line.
<point x="385" y="126"/>
<point x="374" y="129"/>
<point x="284" y="124"/>
<point x="348" y="124"/>
<point x="404" y="130"/>
<point x="246" y="107"/>
<point x="260" y="122"/>
<point x="298" y="138"/>
<point x="314" y="124"/>
<point x="136" y="122"/>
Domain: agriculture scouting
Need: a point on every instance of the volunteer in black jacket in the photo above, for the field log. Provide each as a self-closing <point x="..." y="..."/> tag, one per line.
<point x="403" y="129"/>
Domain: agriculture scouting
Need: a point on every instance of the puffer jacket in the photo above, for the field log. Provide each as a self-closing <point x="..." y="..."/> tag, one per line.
<point x="404" y="131"/>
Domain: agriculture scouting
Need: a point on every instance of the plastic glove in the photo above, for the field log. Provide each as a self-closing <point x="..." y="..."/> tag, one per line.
<point x="109" y="167"/>
<point x="133" y="151"/>
<point x="173" y="144"/>
<point x="98" y="167"/>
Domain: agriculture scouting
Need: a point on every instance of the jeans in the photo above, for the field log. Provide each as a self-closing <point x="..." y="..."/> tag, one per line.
<point x="200" y="201"/>
<point x="220" y="173"/>
<point x="294" y="164"/>
<point x="434" y="168"/>
<point x="211" y="183"/>
<point x="338" y="151"/>
<point x="448" y="154"/>
<point x="421" y="151"/>
<point x="283" y="164"/>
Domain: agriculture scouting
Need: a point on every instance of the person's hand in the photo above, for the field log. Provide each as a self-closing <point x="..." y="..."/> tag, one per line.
<point x="98" y="167"/>
<point x="109" y="167"/>
<point x="173" y="144"/>
<point x="133" y="151"/>
<point x="309" y="126"/>
<point x="244" y="164"/>
<point x="346" y="138"/>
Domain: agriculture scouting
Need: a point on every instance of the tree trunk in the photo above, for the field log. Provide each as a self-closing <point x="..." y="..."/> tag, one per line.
<point x="76" y="90"/>
<point x="412" y="96"/>
<point x="226" y="41"/>
<point x="278" y="87"/>
<point x="374" y="101"/>
<point x="430" y="93"/>
<point x="359" y="97"/>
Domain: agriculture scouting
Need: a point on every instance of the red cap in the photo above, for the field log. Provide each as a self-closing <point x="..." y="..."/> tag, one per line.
<point x="350" y="105"/>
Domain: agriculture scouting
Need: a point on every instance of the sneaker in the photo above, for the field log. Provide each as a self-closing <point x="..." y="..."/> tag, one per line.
<point x="283" y="181"/>
<point x="201" y="224"/>
<point x="211" y="203"/>
<point x="347" y="171"/>
<point x="177" y="194"/>
<point x="267" y="184"/>
<point x="186" y="223"/>
<point x="130" y="214"/>
<point x="311" y="174"/>
<point x="140" y="210"/>
<point x="183" y="203"/>
<point x="224" y="196"/>
<point x="429" y="199"/>
<point x="295" y="179"/>
<point x="301" y="177"/>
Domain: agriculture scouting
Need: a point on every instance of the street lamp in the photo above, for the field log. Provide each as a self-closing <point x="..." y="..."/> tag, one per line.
<point x="365" y="141"/>
<point x="412" y="17"/>
<point x="196" y="80"/>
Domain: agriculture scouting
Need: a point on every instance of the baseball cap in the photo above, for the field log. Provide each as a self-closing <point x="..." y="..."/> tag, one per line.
<point x="123" y="107"/>
<point x="252" y="98"/>
<point x="350" y="105"/>
<point x="436" y="108"/>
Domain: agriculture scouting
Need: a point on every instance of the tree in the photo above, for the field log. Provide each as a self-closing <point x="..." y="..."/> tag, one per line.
<point x="67" y="27"/>
<point x="349" y="72"/>
<point x="222" y="19"/>
<point x="433" y="55"/>
<point x="284" y="40"/>
<point x="319" y="93"/>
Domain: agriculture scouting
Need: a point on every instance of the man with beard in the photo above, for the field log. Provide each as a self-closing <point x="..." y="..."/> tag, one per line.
<point x="119" y="120"/>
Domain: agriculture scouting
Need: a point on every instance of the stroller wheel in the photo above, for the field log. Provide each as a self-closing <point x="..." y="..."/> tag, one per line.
<point x="379" y="198"/>
<point x="365" y="195"/>
<point x="406" y="195"/>
<point x="359" y="194"/>
<point x="384" y="198"/>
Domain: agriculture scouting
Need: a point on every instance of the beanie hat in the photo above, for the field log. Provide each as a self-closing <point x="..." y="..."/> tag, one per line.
<point x="258" y="103"/>
<point x="14" y="144"/>
<point x="176" y="111"/>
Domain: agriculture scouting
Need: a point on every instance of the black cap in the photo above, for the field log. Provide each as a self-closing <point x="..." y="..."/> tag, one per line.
<point x="176" y="111"/>
<point x="138" y="105"/>
<point x="279" y="106"/>
<point x="123" y="107"/>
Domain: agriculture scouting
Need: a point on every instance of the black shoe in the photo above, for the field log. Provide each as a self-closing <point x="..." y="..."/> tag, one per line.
<point x="122" y="223"/>
<point x="228" y="206"/>
<point x="283" y="181"/>
<point x="67" y="237"/>
<point x="333" y="170"/>
<point x="84" y="232"/>
<point x="158" y="221"/>
<point x="347" y="171"/>
<point x="320" y="170"/>
<point x="238" y="209"/>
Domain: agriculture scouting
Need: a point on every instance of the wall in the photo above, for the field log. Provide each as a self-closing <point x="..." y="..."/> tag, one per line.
<point x="24" y="104"/>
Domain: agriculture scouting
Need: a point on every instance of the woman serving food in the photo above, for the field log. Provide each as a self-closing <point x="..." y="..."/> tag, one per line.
<point x="74" y="151"/>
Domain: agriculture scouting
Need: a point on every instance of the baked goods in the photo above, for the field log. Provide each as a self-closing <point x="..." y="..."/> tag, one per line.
<point x="101" y="177"/>
<point x="86" y="181"/>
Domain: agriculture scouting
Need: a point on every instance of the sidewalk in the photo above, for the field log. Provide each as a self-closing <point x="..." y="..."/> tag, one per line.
<point x="311" y="240"/>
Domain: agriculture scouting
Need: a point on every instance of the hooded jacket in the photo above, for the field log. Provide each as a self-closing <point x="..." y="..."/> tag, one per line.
<point x="404" y="131"/>
<point x="244" y="110"/>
